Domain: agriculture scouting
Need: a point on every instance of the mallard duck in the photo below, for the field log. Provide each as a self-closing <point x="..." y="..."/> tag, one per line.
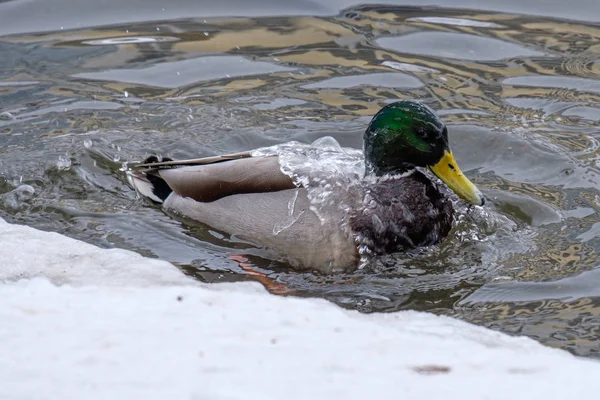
<point x="393" y="206"/>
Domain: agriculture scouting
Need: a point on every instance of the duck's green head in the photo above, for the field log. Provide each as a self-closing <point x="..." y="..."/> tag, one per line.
<point x="407" y="134"/>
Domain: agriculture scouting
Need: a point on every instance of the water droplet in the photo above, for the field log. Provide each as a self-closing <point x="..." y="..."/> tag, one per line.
<point x="290" y="219"/>
<point x="6" y="116"/>
<point x="15" y="198"/>
<point x="25" y="191"/>
<point x="63" y="163"/>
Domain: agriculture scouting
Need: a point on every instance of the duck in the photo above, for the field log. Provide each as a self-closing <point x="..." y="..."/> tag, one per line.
<point x="395" y="206"/>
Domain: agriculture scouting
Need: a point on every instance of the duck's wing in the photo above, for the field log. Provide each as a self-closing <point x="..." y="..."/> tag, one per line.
<point x="211" y="178"/>
<point x="153" y="162"/>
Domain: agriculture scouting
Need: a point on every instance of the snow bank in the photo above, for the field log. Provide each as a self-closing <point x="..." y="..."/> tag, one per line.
<point x="26" y="253"/>
<point x="129" y="327"/>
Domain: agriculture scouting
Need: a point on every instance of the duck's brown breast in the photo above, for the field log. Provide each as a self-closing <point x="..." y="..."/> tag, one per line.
<point x="402" y="213"/>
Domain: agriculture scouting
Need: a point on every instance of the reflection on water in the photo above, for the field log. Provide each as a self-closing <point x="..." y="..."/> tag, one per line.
<point x="519" y="93"/>
<point x="456" y="45"/>
<point x="182" y="73"/>
<point x="389" y="80"/>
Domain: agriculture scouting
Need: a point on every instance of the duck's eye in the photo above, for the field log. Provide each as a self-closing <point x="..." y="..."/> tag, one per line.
<point x="451" y="167"/>
<point x="422" y="132"/>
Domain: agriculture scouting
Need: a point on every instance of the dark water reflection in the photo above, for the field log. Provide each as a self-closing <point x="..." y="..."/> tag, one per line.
<point x="521" y="95"/>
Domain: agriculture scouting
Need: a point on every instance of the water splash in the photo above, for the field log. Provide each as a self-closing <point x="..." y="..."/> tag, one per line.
<point x="290" y="218"/>
<point x="328" y="171"/>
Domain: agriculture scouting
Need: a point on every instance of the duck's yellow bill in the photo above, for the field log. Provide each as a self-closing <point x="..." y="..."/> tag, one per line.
<point x="447" y="170"/>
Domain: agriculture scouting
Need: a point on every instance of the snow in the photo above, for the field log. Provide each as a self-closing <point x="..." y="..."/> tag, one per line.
<point x="67" y="261"/>
<point x="81" y="322"/>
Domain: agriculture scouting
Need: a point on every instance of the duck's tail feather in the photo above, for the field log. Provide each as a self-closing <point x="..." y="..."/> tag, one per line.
<point x="148" y="181"/>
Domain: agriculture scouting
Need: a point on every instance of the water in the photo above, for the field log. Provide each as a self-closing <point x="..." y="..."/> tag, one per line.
<point x="328" y="171"/>
<point x="84" y="91"/>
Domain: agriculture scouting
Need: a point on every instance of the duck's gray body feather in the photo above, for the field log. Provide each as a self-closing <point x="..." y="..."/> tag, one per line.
<point x="298" y="235"/>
